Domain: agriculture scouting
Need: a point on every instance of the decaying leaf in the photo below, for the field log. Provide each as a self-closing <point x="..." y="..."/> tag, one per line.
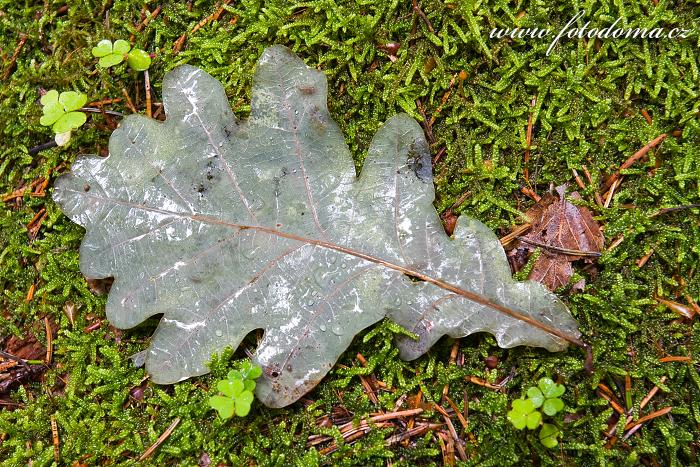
<point x="565" y="233"/>
<point x="228" y="226"/>
<point x="15" y="350"/>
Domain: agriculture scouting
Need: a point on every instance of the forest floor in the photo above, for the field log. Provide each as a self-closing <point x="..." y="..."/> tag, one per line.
<point x="505" y="122"/>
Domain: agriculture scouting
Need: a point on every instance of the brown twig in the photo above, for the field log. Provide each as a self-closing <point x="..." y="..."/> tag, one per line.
<point x="352" y="431"/>
<point x="366" y="384"/>
<point x="30" y="293"/>
<point x="93" y="326"/>
<point x="484" y="383"/>
<point x="427" y="124"/>
<point x="518" y="231"/>
<point x="605" y="392"/>
<point x="443" y="101"/>
<point x="460" y="417"/>
<point x="100" y="110"/>
<point x="416" y="431"/>
<point x="419" y="12"/>
<point x="528" y="140"/>
<point x="54" y="436"/>
<point x="564" y="251"/>
<point x="160" y="440"/>
<point x="180" y="42"/>
<point x="596" y="195"/>
<point x="453" y="432"/>
<point x="438" y="155"/>
<point x="651" y="393"/>
<point x="675" y="359"/>
<point x="147" y="85"/>
<point x="608" y="198"/>
<point x="147" y="20"/>
<point x="129" y="103"/>
<point x="643" y="260"/>
<point x="49" y="341"/>
<point x="579" y="182"/>
<point x="9" y="356"/>
<point x="18" y="193"/>
<point x="675" y="208"/>
<point x="616" y="243"/>
<point x="416" y="403"/>
<point x="40" y="190"/>
<point x="648" y="417"/>
<point x="35" y="224"/>
<point x="530" y="194"/>
<point x="102" y="102"/>
<point x="678" y="308"/>
<point x="632" y="159"/>
<point x="15" y="55"/>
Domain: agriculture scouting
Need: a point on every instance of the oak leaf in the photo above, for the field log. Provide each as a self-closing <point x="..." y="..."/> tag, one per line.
<point x="227" y="226"/>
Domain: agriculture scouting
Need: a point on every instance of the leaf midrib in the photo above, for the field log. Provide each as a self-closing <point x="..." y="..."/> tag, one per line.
<point x="477" y="298"/>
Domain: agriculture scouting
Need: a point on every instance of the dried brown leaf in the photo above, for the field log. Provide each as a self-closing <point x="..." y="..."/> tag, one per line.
<point x="565" y="233"/>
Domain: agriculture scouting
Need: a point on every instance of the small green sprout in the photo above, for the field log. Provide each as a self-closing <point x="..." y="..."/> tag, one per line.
<point x="237" y="390"/>
<point x="111" y="54"/>
<point x="524" y="412"/>
<point x="61" y="113"/>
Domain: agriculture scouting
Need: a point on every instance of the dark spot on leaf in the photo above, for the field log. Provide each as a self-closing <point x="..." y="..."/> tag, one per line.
<point x="86" y="188"/>
<point x="419" y="162"/>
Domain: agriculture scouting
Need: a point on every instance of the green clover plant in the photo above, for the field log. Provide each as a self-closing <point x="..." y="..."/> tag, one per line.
<point x="524" y="412"/>
<point x="111" y="54"/>
<point x="236" y="391"/>
<point x="546" y="395"/>
<point x="61" y="113"/>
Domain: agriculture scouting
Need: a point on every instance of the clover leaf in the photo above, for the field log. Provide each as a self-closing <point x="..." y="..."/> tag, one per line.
<point x="524" y="414"/>
<point x="61" y="113"/>
<point x="546" y="394"/>
<point x="113" y="54"/>
<point x="550" y="389"/>
<point x="237" y="390"/>
<point x="536" y="396"/>
<point x="548" y="435"/>
<point x="223" y="405"/>
<point x="139" y="60"/>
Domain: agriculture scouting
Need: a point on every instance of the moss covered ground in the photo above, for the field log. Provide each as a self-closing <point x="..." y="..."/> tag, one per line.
<point x="592" y="103"/>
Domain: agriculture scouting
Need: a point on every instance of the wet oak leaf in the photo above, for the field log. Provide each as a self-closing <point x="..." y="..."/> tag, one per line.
<point x="227" y="226"/>
<point x="558" y="223"/>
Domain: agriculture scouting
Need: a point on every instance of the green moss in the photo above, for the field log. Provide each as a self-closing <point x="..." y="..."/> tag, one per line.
<point x="587" y="102"/>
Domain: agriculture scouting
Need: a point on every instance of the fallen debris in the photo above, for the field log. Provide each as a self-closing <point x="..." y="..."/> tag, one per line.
<point x="563" y="232"/>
